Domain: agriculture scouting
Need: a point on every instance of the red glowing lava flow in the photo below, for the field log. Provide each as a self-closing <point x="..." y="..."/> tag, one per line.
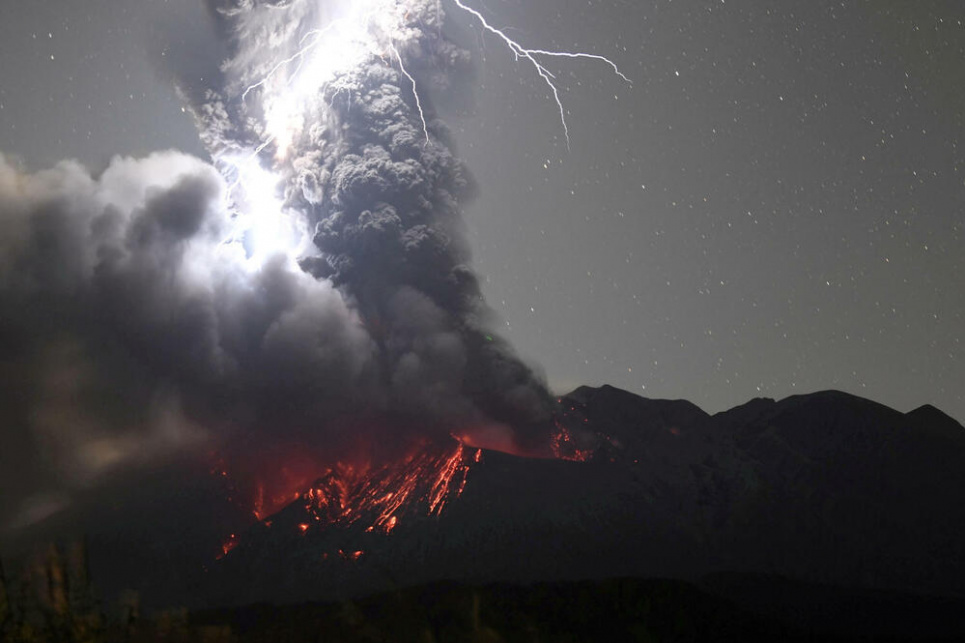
<point x="424" y="481"/>
<point x="378" y="497"/>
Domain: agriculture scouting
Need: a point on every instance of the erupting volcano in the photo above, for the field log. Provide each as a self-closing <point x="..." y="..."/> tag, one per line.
<point x="422" y="482"/>
<point x="297" y="304"/>
<point x="377" y="497"/>
<point x="267" y="372"/>
<point x="340" y="173"/>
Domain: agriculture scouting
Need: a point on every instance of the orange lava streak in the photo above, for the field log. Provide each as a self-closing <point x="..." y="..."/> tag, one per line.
<point x="376" y="498"/>
<point x="443" y="482"/>
<point x="230" y="543"/>
<point x="429" y="477"/>
<point x="259" y="503"/>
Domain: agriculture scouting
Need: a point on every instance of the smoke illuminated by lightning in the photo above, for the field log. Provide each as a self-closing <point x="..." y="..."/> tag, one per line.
<point x="263" y="226"/>
<point x="311" y="287"/>
<point x="324" y="57"/>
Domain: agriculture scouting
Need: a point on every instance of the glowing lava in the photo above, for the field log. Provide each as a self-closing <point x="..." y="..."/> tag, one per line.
<point x="424" y="482"/>
<point x="230" y="543"/>
<point x="376" y="497"/>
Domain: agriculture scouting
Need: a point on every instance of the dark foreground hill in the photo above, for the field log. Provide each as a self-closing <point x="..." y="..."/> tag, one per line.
<point x="823" y="488"/>
<point x="726" y="608"/>
<point x="607" y="610"/>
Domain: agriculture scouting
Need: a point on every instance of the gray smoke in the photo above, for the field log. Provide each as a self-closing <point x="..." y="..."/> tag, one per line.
<point x="385" y="205"/>
<point x="131" y="330"/>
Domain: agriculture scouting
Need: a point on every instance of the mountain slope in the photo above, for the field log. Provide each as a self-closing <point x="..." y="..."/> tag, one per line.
<point x="826" y="487"/>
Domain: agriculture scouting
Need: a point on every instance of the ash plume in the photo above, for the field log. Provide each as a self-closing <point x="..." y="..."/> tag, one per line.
<point x="371" y="170"/>
<point x="140" y="318"/>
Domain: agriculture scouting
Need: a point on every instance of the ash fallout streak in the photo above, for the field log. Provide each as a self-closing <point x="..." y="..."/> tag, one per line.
<point x="312" y="295"/>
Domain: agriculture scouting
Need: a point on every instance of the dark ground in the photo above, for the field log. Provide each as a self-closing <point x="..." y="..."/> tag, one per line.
<point x="736" y="607"/>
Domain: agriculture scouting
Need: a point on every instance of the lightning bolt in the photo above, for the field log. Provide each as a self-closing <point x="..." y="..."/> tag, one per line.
<point x="321" y="58"/>
<point x="532" y="57"/>
<point x="299" y="56"/>
<point x="415" y="92"/>
<point x="535" y="57"/>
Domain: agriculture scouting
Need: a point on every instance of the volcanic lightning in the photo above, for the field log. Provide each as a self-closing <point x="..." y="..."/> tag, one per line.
<point x="371" y="27"/>
<point x="306" y="296"/>
<point x="338" y="107"/>
<point x="415" y="92"/>
<point x="532" y="57"/>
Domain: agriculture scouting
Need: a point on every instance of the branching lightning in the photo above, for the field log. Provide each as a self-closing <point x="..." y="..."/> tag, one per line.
<point x="359" y="34"/>
<point x="415" y="92"/>
<point x="531" y="55"/>
<point x="298" y="55"/>
<point x="324" y="58"/>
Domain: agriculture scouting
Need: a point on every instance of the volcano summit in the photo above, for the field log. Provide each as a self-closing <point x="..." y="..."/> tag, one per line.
<point x="824" y="488"/>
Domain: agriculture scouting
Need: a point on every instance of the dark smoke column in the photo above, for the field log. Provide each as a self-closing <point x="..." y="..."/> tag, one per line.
<point x="371" y="170"/>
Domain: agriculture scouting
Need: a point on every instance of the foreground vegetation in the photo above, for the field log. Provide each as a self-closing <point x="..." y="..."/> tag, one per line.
<point x="52" y="601"/>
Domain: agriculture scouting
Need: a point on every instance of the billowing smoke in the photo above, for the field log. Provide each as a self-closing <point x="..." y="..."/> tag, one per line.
<point x="312" y="288"/>
<point x="130" y="328"/>
<point x="326" y="95"/>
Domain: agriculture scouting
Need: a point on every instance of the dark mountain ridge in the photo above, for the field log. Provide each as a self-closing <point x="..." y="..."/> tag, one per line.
<point x="825" y="488"/>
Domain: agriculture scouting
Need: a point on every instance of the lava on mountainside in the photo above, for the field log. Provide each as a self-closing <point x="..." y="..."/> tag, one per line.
<point x="377" y="496"/>
<point x="356" y="491"/>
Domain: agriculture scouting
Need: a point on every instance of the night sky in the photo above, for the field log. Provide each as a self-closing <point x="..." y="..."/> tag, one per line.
<point x="773" y="207"/>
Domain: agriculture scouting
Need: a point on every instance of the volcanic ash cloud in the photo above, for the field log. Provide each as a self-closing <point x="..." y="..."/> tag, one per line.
<point x="331" y="97"/>
<point x="130" y="329"/>
<point x="310" y="288"/>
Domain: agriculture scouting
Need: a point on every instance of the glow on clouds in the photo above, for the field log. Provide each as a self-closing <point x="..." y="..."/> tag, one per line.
<point x="313" y="45"/>
<point x="351" y="31"/>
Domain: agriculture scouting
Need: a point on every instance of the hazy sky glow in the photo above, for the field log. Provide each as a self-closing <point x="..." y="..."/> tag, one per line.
<point x="773" y="207"/>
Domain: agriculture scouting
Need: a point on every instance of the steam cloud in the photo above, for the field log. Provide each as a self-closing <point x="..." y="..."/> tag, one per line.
<point x="133" y="321"/>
